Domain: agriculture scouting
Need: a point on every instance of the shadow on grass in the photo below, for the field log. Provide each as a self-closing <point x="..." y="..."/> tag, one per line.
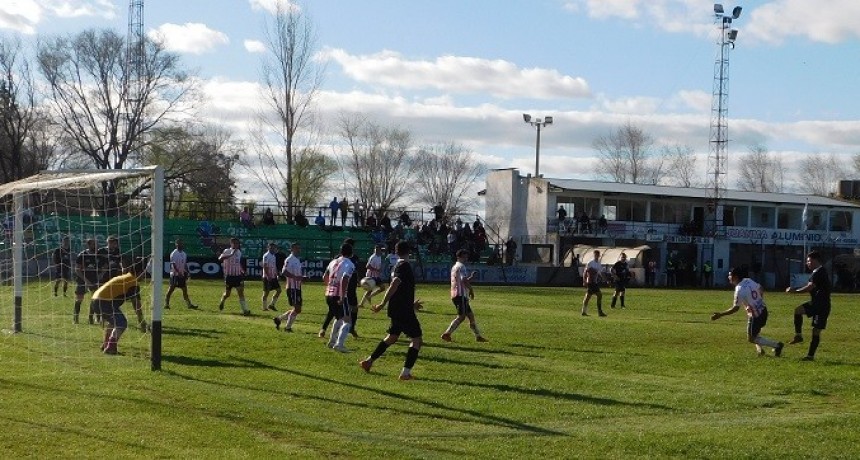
<point x="486" y="365"/>
<point x="466" y="415"/>
<point x="200" y="362"/>
<point x="56" y="429"/>
<point x="553" y="394"/>
<point x="192" y="332"/>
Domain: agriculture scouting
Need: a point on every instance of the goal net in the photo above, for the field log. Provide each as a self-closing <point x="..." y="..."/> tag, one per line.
<point x="65" y="235"/>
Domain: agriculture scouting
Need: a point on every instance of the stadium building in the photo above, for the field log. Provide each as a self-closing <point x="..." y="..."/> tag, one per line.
<point x="678" y="228"/>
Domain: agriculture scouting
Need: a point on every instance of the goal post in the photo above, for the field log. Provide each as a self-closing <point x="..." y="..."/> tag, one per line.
<point x="49" y="220"/>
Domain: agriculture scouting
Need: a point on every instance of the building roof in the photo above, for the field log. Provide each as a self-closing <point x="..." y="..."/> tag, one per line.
<point x="697" y="193"/>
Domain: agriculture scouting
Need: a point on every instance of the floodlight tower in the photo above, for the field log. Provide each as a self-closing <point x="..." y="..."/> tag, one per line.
<point x="719" y="138"/>
<point x="538" y="123"/>
<point x="133" y="80"/>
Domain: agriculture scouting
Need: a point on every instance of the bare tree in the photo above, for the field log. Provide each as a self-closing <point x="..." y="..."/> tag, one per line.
<point x="682" y="163"/>
<point x="446" y="173"/>
<point x="626" y="156"/>
<point x="22" y="125"/>
<point x="311" y="170"/>
<point x="378" y="160"/>
<point x="761" y="171"/>
<point x="820" y="173"/>
<point x="291" y="81"/>
<point x="89" y="95"/>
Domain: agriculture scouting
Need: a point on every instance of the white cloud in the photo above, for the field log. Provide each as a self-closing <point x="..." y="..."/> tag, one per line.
<point x="272" y="6"/>
<point x="629" y="105"/>
<point x="833" y="22"/>
<point x="687" y="16"/>
<point x="81" y="8"/>
<point x="255" y="46"/>
<point x="458" y="74"/>
<point x="695" y="100"/>
<point x="194" y="38"/>
<point x="21" y="16"/>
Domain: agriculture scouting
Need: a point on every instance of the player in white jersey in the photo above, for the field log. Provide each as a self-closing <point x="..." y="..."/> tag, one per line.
<point x="336" y="280"/>
<point x="591" y="277"/>
<point x="270" y="277"/>
<point x="374" y="273"/>
<point x="292" y="271"/>
<point x="750" y="295"/>
<point x="461" y="293"/>
<point x="231" y="263"/>
<point x="178" y="274"/>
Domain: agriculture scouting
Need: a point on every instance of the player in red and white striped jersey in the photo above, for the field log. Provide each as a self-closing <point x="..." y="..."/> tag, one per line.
<point x="270" y="277"/>
<point x="336" y="280"/>
<point x="234" y="272"/>
<point x="461" y="293"/>
<point x="292" y="271"/>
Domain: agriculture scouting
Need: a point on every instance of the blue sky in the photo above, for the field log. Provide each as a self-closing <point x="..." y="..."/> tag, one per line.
<point x="465" y="71"/>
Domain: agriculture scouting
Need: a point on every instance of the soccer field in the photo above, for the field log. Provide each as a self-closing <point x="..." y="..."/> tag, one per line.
<point x="657" y="379"/>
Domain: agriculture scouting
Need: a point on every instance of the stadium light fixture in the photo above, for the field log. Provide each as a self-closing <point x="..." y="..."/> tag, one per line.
<point x="736" y="13"/>
<point x="718" y="9"/>
<point x="537" y="123"/>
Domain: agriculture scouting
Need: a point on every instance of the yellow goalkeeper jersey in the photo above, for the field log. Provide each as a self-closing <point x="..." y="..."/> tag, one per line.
<point x="117" y="287"/>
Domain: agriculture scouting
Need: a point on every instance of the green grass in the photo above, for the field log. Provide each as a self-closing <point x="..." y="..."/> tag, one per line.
<point x="657" y="379"/>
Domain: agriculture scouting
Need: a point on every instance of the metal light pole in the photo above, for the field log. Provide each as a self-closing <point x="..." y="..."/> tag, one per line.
<point x="538" y="123"/>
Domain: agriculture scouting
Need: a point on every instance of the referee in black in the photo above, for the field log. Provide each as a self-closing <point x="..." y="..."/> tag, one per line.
<point x="400" y="298"/>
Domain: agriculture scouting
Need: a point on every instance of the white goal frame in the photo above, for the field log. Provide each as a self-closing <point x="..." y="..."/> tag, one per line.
<point x="47" y="180"/>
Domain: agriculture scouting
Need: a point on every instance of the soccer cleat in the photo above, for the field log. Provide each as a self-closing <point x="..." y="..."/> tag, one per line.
<point x="75" y="319"/>
<point x="221" y="306"/>
<point x="321" y="334"/>
<point x="481" y="339"/>
<point x="192" y="306"/>
<point x="353" y="333"/>
<point x="446" y="337"/>
<point x="584" y="314"/>
<point x="91" y="320"/>
<point x="406" y="377"/>
<point x="366" y="364"/>
<point x="272" y="307"/>
<point x="778" y="350"/>
<point x="111" y="349"/>
<point x="288" y="329"/>
<point x="601" y="314"/>
<point x="143" y="327"/>
<point x="341" y="349"/>
<point x="797" y="339"/>
<point x="277" y="322"/>
<point x="166" y="307"/>
<point x="246" y="312"/>
<point x="808" y="358"/>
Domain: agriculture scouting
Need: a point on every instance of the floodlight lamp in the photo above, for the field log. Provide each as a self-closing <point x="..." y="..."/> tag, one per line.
<point x="718" y="9"/>
<point x="547" y="120"/>
<point x="736" y="13"/>
<point x="733" y="35"/>
<point x="527" y="118"/>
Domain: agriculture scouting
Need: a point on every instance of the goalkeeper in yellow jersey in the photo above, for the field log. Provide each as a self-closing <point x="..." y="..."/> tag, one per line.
<point x="110" y="296"/>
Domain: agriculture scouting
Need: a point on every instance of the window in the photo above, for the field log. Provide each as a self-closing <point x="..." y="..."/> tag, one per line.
<point x="789" y="219"/>
<point x="840" y="221"/>
<point x="736" y="215"/>
<point x="763" y="217"/>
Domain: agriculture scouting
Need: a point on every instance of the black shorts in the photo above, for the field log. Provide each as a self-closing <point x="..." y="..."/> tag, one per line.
<point x="336" y="309"/>
<point x="271" y="284"/>
<point x="234" y="281"/>
<point x="818" y="313"/>
<point x="620" y="286"/>
<point x="63" y="273"/>
<point x="755" y="325"/>
<point x="592" y="288"/>
<point x="178" y="281"/>
<point x="408" y="325"/>
<point x="294" y="297"/>
<point x="461" y="302"/>
<point x="110" y="312"/>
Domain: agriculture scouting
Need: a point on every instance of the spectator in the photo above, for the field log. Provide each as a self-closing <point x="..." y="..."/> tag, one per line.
<point x="301" y="220"/>
<point x="602" y="224"/>
<point x="562" y="216"/>
<point x="246" y="219"/>
<point x="439" y="211"/>
<point x="344" y="208"/>
<point x="510" y="251"/>
<point x="584" y="223"/>
<point x="358" y="214"/>
<point x="405" y="219"/>
<point x="268" y="217"/>
<point x="320" y="220"/>
<point x="334" y="206"/>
